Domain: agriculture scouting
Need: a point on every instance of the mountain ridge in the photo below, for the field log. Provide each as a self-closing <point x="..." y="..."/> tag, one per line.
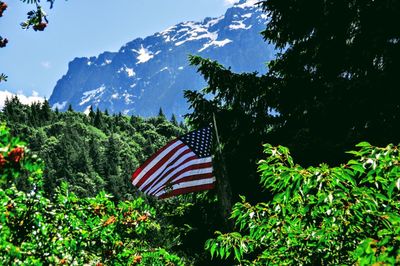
<point x="152" y="72"/>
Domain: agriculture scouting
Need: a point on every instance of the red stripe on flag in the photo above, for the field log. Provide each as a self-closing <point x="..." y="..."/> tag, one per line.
<point x="159" y="163"/>
<point x="187" y="190"/>
<point x="148" y="161"/>
<point x="183" y="180"/>
<point x="184" y="170"/>
<point x="169" y="169"/>
<point x="166" y="175"/>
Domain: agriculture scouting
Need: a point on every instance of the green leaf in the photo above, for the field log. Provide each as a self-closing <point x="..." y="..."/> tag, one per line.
<point x="213" y="248"/>
<point x="357" y="168"/>
<point x="237" y="253"/>
<point x="363" y="144"/>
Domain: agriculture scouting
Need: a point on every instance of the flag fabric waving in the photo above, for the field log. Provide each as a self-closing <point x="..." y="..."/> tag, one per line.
<point x="182" y="166"/>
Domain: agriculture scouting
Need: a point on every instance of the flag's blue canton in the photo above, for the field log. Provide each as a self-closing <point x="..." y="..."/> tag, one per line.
<point x="199" y="141"/>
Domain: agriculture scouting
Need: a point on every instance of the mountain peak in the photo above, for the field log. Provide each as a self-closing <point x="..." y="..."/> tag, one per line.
<point x="152" y="72"/>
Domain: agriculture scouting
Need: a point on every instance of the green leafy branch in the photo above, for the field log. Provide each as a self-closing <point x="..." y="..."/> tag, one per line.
<point x="320" y="215"/>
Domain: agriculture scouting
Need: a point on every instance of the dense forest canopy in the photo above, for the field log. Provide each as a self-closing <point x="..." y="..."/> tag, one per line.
<point x="91" y="152"/>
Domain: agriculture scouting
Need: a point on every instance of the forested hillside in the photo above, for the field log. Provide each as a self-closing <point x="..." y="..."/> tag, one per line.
<point x="91" y="152"/>
<point x="88" y="160"/>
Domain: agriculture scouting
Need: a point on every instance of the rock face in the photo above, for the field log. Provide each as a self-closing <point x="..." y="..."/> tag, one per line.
<point x="146" y="74"/>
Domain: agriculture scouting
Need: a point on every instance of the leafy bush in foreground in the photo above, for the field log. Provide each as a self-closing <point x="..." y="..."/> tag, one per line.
<point x="70" y="230"/>
<point x="320" y="215"/>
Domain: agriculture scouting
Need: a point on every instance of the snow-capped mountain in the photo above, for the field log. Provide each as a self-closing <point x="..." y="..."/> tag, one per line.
<point x="146" y="74"/>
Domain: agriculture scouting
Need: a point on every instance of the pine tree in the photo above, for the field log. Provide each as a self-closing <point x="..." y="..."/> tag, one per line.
<point x="91" y="115"/>
<point x="96" y="156"/>
<point x="98" y="120"/>
<point x="336" y="80"/>
<point x="35" y="115"/>
<point x="240" y="107"/>
<point x="161" y="113"/>
<point x="45" y="111"/>
<point x="173" y="120"/>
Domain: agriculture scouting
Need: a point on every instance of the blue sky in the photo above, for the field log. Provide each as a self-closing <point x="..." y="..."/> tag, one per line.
<point x="34" y="61"/>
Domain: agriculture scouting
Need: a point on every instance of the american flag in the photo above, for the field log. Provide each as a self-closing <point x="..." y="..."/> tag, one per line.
<point x="182" y="166"/>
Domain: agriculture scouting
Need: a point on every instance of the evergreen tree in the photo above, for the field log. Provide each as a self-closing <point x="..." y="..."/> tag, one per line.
<point x="70" y="108"/>
<point x="240" y="107"/>
<point x="35" y="115"/>
<point x="111" y="165"/>
<point x="98" y="120"/>
<point x="14" y="110"/>
<point x="96" y="156"/>
<point x="91" y="115"/>
<point x="336" y="80"/>
<point x="173" y="120"/>
<point x="161" y="113"/>
<point x="45" y="111"/>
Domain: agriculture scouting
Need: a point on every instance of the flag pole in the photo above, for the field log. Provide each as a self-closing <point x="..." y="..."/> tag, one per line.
<point x="223" y="186"/>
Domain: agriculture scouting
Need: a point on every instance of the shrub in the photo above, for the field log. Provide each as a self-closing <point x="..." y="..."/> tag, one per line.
<point x="320" y="215"/>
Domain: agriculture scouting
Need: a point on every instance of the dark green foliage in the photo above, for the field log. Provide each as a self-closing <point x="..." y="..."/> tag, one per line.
<point x="91" y="115"/>
<point x="3" y="77"/>
<point x="320" y="215"/>
<point x="241" y="107"/>
<point x="161" y="113"/>
<point x="98" y="120"/>
<point x="333" y="84"/>
<point x="336" y="79"/>
<point x="173" y="120"/>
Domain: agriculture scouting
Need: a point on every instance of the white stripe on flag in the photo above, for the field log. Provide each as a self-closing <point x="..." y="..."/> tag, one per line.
<point x="186" y="174"/>
<point x="181" y="167"/>
<point x="193" y="183"/>
<point x="176" y="164"/>
<point x="161" y="168"/>
<point x="154" y="161"/>
<point x="193" y="172"/>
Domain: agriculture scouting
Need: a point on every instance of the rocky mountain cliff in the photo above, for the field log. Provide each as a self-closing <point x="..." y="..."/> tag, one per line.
<point x="146" y="74"/>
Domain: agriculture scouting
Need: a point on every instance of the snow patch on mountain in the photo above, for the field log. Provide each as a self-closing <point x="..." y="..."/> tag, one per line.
<point x="92" y="94"/>
<point x="87" y="110"/>
<point x="193" y="31"/>
<point x="239" y="25"/>
<point x="215" y="43"/>
<point x="106" y="62"/>
<point x="130" y="72"/>
<point x="144" y="55"/>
